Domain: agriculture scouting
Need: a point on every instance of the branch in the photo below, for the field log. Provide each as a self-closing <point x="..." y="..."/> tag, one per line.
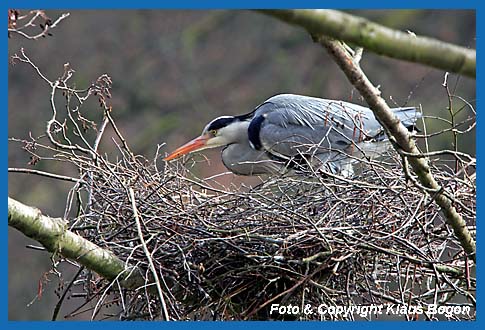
<point x="17" y="23"/>
<point x="53" y="234"/>
<point x="382" y="40"/>
<point x="45" y="174"/>
<point x="402" y="139"/>
<point x="316" y="22"/>
<point x="136" y="215"/>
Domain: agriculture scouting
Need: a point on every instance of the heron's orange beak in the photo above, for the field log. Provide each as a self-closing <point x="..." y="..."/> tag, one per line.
<point x="190" y="146"/>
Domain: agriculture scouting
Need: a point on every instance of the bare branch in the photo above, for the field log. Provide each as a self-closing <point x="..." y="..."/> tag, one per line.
<point x="46" y="174"/>
<point x="136" y="215"/>
<point x="23" y="25"/>
<point x="381" y="39"/>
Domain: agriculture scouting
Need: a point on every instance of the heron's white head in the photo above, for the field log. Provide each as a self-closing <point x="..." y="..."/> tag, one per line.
<point x="221" y="131"/>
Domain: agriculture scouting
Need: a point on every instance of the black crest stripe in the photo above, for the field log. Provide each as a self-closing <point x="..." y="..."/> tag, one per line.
<point x="221" y="122"/>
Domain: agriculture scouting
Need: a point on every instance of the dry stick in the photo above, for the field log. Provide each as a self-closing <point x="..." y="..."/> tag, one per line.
<point x="401" y="139"/>
<point x="118" y="133"/>
<point x="64" y="294"/>
<point x="45" y="174"/>
<point x="136" y="215"/>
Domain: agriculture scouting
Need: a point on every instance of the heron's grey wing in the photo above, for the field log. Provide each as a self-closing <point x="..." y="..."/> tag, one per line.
<point x="293" y="124"/>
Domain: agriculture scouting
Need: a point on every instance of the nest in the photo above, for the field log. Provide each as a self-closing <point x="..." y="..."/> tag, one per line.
<point x="307" y="240"/>
<point x="294" y="240"/>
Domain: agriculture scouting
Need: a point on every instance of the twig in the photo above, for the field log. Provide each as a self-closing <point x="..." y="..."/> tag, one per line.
<point x="148" y="254"/>
<point x="46" y="174"/>
<point x="46" y="27"/>
<point x="64" y="294"/>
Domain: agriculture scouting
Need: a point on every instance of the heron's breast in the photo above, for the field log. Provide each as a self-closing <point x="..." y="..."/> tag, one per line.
<point x="243" y="160"/>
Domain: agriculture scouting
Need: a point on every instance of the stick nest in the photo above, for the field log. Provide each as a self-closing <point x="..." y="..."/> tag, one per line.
<point x="294" y="240"/>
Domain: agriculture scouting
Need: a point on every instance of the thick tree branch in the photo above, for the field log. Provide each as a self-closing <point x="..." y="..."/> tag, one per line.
<point x="382" y="40"/>
<point x="402" y="140"/>
<point x="53" y="234"/>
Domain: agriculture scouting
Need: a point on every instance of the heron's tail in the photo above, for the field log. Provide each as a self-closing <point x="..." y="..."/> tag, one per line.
<point x="408" y="116"/>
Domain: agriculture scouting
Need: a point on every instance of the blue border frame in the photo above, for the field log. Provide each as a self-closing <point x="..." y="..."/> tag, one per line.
<point x="238" y="4"/>
<point x="186" y="4"/>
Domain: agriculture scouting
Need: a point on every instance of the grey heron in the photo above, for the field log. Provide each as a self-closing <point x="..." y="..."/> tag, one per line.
<point x="290" y="130"/>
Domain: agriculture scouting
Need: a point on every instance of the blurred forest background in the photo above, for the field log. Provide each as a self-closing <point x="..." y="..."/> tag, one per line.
<point x="172" y="72"/>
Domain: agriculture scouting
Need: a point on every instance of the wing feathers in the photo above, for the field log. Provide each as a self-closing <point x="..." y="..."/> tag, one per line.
<point x="287" y="124"/>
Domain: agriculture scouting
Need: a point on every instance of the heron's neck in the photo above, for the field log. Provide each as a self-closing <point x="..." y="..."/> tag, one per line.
<point x="236" y="132"/>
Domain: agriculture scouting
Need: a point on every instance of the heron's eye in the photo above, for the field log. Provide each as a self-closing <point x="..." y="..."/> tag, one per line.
<point x="213" y="132"/>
